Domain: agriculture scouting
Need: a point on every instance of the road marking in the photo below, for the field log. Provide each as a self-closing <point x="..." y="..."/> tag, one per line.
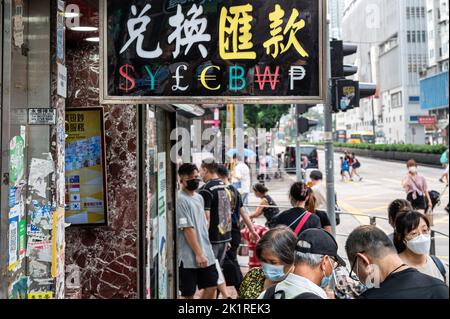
<point x="356" y="212"/>
<point x="383" y="208"/>
<point x="394" y="181"/>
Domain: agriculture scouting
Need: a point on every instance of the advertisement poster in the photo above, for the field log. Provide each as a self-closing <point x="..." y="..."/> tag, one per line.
<point x="162" y="227"/>
<point x="16" y="161"/>
<point x="85" y="167"/>
<point x="213" y="51"/>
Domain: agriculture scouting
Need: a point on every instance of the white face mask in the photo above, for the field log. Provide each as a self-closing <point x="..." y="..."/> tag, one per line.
<point x="420" y="245"/>
<point x="413" y="169"/>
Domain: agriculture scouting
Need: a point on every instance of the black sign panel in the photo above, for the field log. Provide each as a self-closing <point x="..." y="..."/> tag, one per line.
<point x="211" y="51"/>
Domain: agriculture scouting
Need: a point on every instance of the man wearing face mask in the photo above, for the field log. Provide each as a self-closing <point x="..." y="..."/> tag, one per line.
<point x="375" y="262"/>
<point x="196" y="259"/>
<point x="315" y="260"/>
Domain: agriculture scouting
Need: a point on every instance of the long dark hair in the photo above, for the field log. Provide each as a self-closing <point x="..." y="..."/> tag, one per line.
<point x="299" y="191"/>
<point x="404" y="223"/>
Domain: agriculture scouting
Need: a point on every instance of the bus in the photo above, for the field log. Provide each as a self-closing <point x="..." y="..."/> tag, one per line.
<point x="361" y="137"/>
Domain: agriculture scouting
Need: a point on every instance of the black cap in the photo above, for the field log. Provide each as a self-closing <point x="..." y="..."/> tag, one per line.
<point x="316" y="175"/>
<point x="320" y="242"/>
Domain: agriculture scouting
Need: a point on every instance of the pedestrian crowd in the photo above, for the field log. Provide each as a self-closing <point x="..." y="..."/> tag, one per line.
<point x="297" y="251"/>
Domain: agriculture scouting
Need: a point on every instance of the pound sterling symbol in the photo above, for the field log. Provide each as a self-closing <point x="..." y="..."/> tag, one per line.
<point x="136" y="34"/>
<point x="276" y="43"/>
<point x="234" y="33"/>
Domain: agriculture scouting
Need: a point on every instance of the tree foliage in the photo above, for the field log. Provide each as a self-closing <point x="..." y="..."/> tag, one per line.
<point x="264" y="116"/>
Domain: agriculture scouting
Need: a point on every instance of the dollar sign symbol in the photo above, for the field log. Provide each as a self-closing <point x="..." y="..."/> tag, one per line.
<point x="129" y="81"/>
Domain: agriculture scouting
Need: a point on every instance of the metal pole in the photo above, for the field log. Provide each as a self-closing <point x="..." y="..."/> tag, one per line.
<point x="298" y="154"/>
<point x="373" y="121"/>
<point x="329" y="151"/>
<point x="239" y="108"/>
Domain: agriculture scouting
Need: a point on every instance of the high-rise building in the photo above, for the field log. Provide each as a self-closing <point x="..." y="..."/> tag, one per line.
<point x="434" y="85"/>
<point x="392" y="50"/>
<point x="336" y="12"/>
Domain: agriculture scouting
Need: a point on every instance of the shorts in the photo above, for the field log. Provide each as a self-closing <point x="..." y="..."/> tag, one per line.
<point x="220" y="251"/>
<point x="191" y="278"/>
<point x="418" y="203"/>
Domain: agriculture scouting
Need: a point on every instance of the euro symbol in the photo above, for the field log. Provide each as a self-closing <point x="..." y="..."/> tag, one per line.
<point x="129" y="81"/>
<point x="204" y="77"/>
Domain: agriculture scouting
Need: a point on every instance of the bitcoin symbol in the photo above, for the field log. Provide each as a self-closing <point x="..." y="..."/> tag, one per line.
<point x="129" y="81"/>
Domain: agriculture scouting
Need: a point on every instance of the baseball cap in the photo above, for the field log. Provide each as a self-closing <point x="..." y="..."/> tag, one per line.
<point x="316" y="175"/>
<point x="320" y="242"/>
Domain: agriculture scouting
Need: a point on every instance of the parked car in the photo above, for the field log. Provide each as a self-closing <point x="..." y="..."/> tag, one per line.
<point x="308" y="151"/>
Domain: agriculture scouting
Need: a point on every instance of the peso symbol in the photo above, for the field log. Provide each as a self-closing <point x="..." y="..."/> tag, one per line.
<point x="128" y="83"/>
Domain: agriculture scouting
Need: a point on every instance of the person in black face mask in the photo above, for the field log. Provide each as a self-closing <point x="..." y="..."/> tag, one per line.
<point x="196" y="260"/>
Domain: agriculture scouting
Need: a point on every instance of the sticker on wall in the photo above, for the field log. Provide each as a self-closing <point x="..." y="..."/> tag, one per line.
<point x="18" y="289"/>
<point x="22" y="238"/>
<point x="16" y="159"/>
<point x="18" y="23"/>
<point x="58" y="243"/>
<point x="40" y="295"/>
<point x="62" y="81"/>
<point x="39" y="170"/>
<point x="13" y="240"/>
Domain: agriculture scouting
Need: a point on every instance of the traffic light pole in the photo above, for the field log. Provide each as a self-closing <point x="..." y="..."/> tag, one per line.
<point x="298" y="154"/>
<point x="329" y="150"/>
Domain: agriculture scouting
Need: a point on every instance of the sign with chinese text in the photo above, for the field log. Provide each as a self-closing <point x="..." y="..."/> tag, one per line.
<point x="210" y="51"/>
<point x="85" y="167"/>
<point x="427" y="120"/>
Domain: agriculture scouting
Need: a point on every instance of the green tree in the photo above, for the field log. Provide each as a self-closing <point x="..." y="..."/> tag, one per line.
<point x="264" y="116"/>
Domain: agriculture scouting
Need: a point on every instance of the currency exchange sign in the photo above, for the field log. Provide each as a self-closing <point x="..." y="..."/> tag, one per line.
<point x="211" y="51"/>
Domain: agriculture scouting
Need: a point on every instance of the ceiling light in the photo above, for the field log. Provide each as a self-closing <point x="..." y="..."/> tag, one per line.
<point x="92" y="39"/>
<point x="84" y="29"/>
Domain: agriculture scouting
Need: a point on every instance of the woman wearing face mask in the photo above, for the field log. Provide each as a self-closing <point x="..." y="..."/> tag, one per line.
<point x="413" y="240"/>
<point x="275" y="250"/>
<point x="298" y="218"/>
<point x="416" y="188"/>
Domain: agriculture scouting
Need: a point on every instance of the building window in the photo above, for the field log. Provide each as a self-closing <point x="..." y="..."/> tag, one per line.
<point x="396" y="99"/>
<point x="408" y="14"/>
<point x="424" y="36"/>
<point x="408" y="36"/>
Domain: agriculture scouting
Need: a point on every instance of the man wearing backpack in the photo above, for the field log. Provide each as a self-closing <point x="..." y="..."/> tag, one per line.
<point x="315" y="260"/>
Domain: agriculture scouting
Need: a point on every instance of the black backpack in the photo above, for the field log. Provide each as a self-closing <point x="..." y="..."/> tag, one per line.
<point x="435" y="198"/>
<point x="440" y="266"/>
<point x="271" y="293"/>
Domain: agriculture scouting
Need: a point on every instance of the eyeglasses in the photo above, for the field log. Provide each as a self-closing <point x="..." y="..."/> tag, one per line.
<point x="416" y="234"/>
<point x="352" y="274"/>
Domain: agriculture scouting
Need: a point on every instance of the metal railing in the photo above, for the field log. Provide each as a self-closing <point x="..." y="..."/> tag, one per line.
<point x="372" y="221"/>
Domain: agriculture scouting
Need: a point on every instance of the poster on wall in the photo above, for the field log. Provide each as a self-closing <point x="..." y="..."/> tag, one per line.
<point x="162" y="227"/>
<point x="86" y="196"/>
<point x="207" y="52"/>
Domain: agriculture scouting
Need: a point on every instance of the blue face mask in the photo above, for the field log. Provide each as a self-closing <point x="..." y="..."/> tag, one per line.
<point x="273" y="272"/>
<point x="326" y="280"/>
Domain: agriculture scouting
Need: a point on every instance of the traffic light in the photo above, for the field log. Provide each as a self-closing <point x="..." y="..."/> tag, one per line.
<point x="304" y="125"/>
<point x="302" y="108"/>
<point x="339" y="50"/>
<point x="367" y="90"/>
<point x="346" y="95"/>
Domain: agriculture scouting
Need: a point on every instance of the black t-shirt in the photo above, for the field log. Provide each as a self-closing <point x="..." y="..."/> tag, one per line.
<point x="408" y="284"/>
<point x="270" y="212"/>
<point x="217" y="201"/>
<point x="236" y="204"/>
<point x="290" y="216"/>
<point x="324" y="220"/>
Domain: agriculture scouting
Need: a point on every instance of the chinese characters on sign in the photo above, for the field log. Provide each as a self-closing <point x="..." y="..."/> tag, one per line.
<point x="212" y="49"/>
<point x="85" y="167"/>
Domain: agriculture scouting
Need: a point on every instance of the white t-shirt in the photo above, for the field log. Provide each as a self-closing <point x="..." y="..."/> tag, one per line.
<point x="242" y="174"/>
<point x="295" y="285"/>
<point x="321" y="196"/>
